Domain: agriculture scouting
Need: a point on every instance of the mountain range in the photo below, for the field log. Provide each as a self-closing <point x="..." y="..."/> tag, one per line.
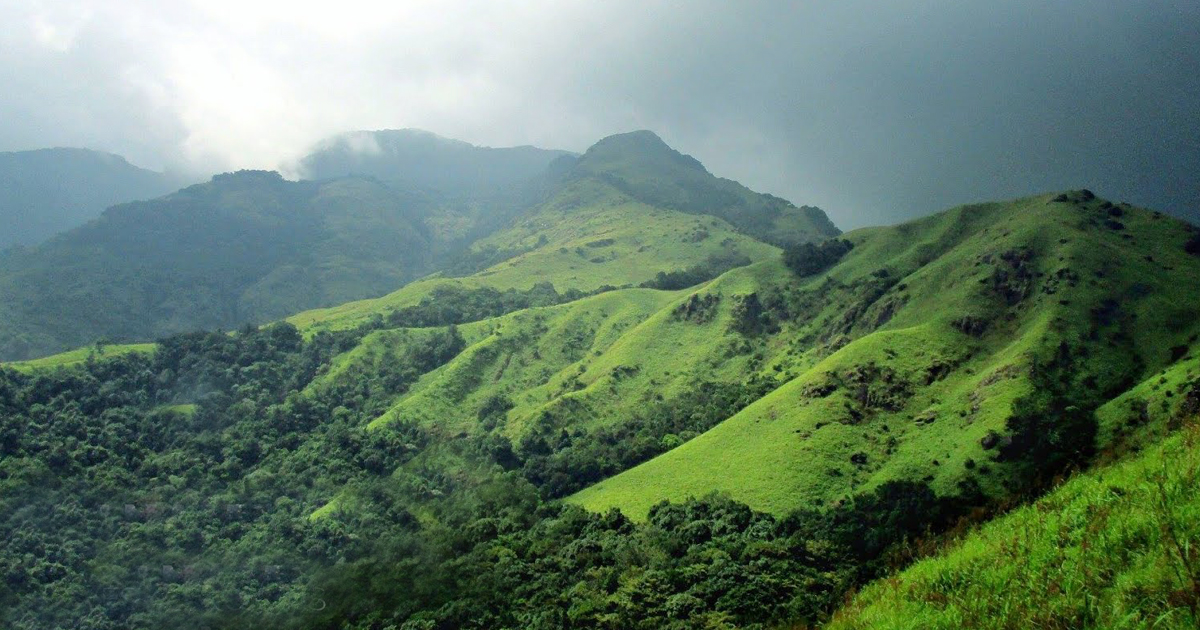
<point x="516" y="388"/>
<point x="249" y="247"/>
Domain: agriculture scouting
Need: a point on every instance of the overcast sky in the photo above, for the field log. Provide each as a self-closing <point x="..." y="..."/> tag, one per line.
<point x="875" y="111"/>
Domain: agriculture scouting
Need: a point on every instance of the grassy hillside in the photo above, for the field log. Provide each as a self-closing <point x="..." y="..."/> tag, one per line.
<point x="628" y="209"/>
<point x="587" y="237"/>
<point x="910" y="358"/>
<point x="250" y="247"/>
<point x="642" y="166"/>
<point x="1115" y="547"/>
<point x="399" y="461"/>
<point x="78" y="356"/>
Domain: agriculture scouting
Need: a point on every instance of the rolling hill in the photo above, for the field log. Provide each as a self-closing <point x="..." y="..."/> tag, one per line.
<point x="47" y="191"/>
<point x="651" y="399"/>
<point x="931" y="351"/>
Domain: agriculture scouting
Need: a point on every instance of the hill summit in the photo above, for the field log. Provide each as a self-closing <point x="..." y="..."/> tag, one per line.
<point x="644" y="167"/>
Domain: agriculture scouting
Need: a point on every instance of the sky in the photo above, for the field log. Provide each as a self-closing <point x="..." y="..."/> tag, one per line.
<point x="875" y="111"/>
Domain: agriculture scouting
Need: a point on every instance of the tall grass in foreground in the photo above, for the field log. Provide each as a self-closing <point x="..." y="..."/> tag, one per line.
<point x="1118" y="547"/>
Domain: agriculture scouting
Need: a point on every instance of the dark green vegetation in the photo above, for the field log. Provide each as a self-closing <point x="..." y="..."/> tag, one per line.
<point x="251" y="247"/>
<point x="806" y="259"/>
<point x="162" y="491"/>
<point x="536" y="442"/>
<point x="245" y="247"/>
<point x="47" y="191"/>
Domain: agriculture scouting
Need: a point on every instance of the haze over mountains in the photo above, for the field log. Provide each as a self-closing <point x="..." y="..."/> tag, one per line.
<point x="47" y="191"/>
<point x="383" y="208"/>
<point x="421" y="160"/>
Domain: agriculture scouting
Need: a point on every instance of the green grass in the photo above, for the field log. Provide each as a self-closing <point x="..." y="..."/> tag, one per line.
<point x="1116" y="547"/>
<point x="793" y="448"/>
<point x="533" y="356"/>
<point x="588" y="237"/>
<point x="79" y="355"/>
<point x="642" y="166"/>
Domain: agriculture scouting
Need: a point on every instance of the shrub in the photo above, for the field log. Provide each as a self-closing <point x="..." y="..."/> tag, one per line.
<point x="808" y="259"/>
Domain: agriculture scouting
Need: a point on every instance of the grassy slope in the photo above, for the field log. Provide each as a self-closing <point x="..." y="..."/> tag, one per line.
<point x="641" y="165"/>
<point x="77" y="356"/>
<point x="533" y="356"/>
<point x="794" y="447"/>
<point x="1097" y="552"/>
<point x="575" y="253"/>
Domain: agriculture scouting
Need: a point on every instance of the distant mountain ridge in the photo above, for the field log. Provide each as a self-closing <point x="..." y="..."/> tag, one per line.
<point x="46" y="191"/>
<point x="422" y="160"/>
<point x="245" y="247"/>
<point x="385" y="209"/>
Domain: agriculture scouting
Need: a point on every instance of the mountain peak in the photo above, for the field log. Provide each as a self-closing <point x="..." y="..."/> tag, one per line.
<point x="640" y="137"/>
<point x="640" y="149"/>
<point x="641" y="165"/>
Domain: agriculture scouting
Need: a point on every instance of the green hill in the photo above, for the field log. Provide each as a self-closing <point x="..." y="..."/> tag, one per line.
<point x="651" y="399"/>
<point x="910" y="358"/>
<point x="245" y="247"/>
<point x="596" y="230"/>
<point x="46" y="191"/>
<point x="1114" y="547"/>
<point x="251" y="247"/>
<point x="641" y="165"/>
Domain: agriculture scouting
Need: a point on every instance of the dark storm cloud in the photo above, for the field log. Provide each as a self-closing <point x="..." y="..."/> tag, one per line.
<point x="876" y="111"/>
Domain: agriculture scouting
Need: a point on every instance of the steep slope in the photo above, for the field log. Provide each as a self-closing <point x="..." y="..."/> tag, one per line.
<point x="245" y="247"/>
<point x="587" y="238"/>
<point x="46" y="191"/>
<point x="960" y="349"/>
<point x="251" y="246"/>
<point x="641" y="165"/>
<point x="1114" y="547"/>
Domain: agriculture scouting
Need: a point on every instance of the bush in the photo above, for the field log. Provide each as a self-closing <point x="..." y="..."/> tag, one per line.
<point x="1193" y="245"/>
<point x="807" y="259"/>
